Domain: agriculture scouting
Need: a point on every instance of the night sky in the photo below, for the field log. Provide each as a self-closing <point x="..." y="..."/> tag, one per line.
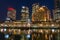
<point x="17" y="4"/>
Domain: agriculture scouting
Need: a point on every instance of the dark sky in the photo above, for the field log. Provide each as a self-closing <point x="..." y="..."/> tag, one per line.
<point x="17" y="4"/>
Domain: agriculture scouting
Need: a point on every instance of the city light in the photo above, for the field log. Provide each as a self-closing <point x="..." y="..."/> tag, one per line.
<point x="2" y="24"/>
<point x="1" y="30"/>
<point x="28" y="36"/>
<point x="41" y="24"/>
<point x="5" y="29"/>
<point x="24" y="25"/>
<point x="23" y="6"/>
<point x="47" y="25"/>
<point x="52" y="25"/>
<point x="28" y="25"/>
<point x="6" y="36"/>
<point x="29" y="31"/>
<point x="6" y="25"/>
<point x="41" y="31"/>
<point x="53" y="30"/>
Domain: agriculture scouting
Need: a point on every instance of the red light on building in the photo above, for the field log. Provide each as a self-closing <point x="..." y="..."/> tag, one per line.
<point x="11" y="13"/>
<point x="10" y="9"/>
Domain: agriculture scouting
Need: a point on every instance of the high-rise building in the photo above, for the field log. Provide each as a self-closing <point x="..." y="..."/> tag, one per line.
<point x="24" y="13"/>
<point x="56" y="11"/>
<point x="56" y="14"/>
<point x="11" y="14"/>
<point x="35" y="7"/>
<point x="42" y="14"/>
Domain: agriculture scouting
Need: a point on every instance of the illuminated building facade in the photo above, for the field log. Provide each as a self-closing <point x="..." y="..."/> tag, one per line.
<point x="35" y="7"/>
<point x="56" y="15"/>
<point x="41" y="14"/>
<point x="24" y="13"/>
<point x="11" y="14"/>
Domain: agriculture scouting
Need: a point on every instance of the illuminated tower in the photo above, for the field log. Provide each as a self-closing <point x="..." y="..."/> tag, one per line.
<point x="11" y="14"/>
<point x="56" y="11"/>
<point x="24" y="13"/>
<point x="42" y="14"/>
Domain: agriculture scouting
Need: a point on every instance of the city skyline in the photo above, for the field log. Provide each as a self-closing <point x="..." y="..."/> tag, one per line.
<point x="30" y="20"/>
<point x="17" y="4"/>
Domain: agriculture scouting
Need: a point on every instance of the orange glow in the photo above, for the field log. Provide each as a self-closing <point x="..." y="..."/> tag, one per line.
<point x="41" y="8"/>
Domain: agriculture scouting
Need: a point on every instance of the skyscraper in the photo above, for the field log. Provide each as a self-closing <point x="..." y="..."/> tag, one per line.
<point x="56" y="14"/>
<point x="56" y="11"/>
<point x="11" y="14"/>
<point x="24" y="13"/>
